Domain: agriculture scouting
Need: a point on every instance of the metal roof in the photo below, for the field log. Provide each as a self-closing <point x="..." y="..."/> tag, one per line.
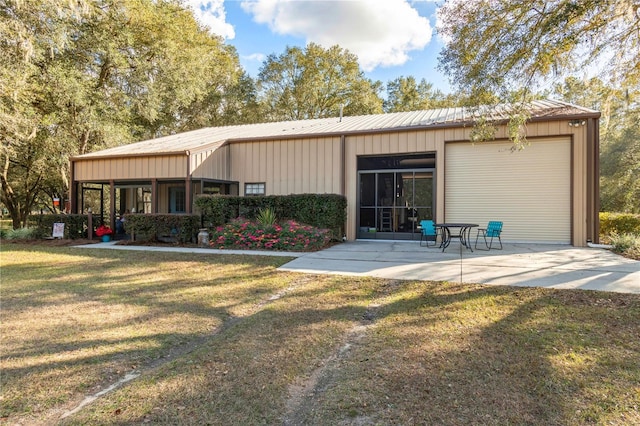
<point x="214" y="137"/>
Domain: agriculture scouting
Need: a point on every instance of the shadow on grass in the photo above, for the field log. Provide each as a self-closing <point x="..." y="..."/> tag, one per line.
<point x="433" y="353"/>
<point x="104" y="312"/>
<point x="465" y="355"/>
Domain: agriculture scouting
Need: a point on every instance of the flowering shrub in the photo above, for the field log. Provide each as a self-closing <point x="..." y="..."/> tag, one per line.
<point x="103" y="230"/>
<point x="288" y="236"/>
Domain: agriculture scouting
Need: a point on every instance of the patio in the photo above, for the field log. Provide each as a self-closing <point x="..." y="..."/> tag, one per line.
<point x="526" y="265"/>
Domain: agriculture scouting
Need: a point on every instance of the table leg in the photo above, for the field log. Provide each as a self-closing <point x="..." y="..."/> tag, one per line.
<point x="446" y="238"/>
<point x="465" y="237"/>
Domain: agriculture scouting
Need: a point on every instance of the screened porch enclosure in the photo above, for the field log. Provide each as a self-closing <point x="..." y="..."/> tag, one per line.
<point x="109" y="201"/>
<point x="395" y="196"/>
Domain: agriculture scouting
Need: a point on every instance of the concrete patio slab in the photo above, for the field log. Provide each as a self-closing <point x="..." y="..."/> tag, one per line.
<point x="526" y="265"/>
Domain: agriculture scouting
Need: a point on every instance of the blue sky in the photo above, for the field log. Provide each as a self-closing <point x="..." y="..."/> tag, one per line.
<point x="392" y="38"/>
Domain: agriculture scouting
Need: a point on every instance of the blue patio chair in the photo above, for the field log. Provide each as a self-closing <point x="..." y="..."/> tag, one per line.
<point x="428" y="230"/>
<point x="493" y="230"/>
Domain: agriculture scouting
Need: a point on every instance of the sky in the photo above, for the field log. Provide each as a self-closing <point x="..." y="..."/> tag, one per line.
<point x="391" y="38"/>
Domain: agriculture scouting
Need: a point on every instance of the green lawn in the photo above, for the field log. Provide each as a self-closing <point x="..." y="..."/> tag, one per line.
<point x="230" y="340"/>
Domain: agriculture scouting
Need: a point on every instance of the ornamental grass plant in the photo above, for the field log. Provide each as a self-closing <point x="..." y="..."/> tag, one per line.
<point x="252" y="235"/>
<point x="627" y="245"/>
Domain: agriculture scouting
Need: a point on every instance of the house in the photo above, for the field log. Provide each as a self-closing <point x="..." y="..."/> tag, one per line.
<point x="394" y="169"/>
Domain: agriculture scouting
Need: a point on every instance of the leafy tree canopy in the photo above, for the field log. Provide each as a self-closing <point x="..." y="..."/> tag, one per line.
<point x="619" y="139"/>
<point x="315" y="82"/>
<point x="406" y="94"/>
<point x="498" y="46"/>
<point x="77" y="76"/>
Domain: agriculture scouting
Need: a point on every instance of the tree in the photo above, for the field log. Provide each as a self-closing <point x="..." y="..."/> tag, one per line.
<point x="620" y="168"/>
<point x="498" y="44"/>
<point x="314" y="82"/>
<point x="500" y="47"/>
<point x="29" y="37"/>
<point x="405" y="94"/>
<point x="619" y="139"/>
<point x="85" y="76"/>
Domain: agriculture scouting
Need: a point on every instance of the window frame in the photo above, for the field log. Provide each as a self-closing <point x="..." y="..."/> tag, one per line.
<point x="254" y="189"/>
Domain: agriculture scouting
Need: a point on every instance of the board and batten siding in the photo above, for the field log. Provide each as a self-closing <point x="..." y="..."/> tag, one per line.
<point x="211" y="164"/>
<point x="128" y="168"/>
<point x="290" y="166"/>
<point x="528" y="190"/>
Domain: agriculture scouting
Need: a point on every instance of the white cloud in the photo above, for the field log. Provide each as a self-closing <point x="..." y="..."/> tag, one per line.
<point x="380" y="32"/>
<point x="258" y="57"/>
<point x="212" y="14"/>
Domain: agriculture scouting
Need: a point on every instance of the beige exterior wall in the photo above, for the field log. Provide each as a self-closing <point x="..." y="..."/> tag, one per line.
<point x="212" y="164"/>
<point x="327" y="165"/>
<point x="294" y="166"/>
<point x="435" y="140"/>
<point x="129" y="168"/>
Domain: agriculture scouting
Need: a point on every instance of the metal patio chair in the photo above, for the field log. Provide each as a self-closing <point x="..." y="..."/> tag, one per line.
<point x="493" y="230"/>
<point x="428" y="230"/>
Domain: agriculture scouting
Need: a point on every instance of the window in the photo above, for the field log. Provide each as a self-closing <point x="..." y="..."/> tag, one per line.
<point x="177" y="200"/>
<point x="254" y="188"/>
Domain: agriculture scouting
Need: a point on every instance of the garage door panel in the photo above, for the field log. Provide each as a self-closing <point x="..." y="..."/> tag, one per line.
<point x="528" y="190"/>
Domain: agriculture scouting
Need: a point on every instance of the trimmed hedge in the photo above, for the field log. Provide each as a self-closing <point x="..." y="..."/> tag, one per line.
<point x="75" y="225"/>
<point x="619" y="223"/>
<point x="327" y="211"/>
<point x="153" y="227"/>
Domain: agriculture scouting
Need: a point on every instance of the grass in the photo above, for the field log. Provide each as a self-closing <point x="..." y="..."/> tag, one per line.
<point x="229" y="340"/>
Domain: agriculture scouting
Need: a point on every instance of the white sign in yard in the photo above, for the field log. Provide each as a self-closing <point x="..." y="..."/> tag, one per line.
<point x="58" y="230"/>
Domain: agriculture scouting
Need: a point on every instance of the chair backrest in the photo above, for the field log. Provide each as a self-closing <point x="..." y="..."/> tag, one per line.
<point x="494" y="228"/>
<point x="428" y="228"/>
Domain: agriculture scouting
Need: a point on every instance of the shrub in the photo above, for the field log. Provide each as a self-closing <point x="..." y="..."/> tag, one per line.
<point x="75" y="225"/>
<point x="251" y="235"/>
<point x="626" y="244"/>
<point x="619" y="223"/>
<point x="21" y="234"/>
<point x="150" y="227"/>
<point x="319" y="210"/>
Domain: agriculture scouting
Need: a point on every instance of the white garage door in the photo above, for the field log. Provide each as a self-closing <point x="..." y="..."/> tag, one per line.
<point x="528" y="190"/>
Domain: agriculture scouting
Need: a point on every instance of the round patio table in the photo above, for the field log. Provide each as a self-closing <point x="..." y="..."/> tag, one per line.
<point x="464" y="235"/>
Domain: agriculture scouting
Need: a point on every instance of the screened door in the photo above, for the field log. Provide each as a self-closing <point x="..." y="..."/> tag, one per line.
<point x="392" y="203"/>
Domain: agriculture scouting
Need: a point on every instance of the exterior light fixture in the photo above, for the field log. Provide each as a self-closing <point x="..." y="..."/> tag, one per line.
<point x="577" y="123"/>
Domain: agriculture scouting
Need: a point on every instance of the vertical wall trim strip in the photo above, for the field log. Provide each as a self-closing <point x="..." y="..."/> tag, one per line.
<point x="594" y="133"/>
<point x="343" y="177"/>
<point x="154" y="195"/>
<point x="73" y="189"/>
<point x="342" y="165"/>
<point x="188" y="190"/>
<point x="112" y="204"/>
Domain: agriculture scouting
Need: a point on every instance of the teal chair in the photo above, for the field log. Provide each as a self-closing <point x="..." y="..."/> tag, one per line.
<point x="493" y="230"/>
<point x="428" y="230"/>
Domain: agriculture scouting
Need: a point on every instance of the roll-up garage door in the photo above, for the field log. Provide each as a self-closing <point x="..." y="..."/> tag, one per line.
<point x="528" y="190"/>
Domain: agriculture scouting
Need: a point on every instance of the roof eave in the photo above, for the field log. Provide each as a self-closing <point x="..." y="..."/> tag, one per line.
<point x="136" y="154"/>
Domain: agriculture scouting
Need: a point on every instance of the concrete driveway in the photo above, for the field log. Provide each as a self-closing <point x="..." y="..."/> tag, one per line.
<point x="526" y="265"/>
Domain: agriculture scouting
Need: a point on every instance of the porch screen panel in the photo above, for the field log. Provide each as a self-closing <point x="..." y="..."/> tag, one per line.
<point x="529" y="190"/>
